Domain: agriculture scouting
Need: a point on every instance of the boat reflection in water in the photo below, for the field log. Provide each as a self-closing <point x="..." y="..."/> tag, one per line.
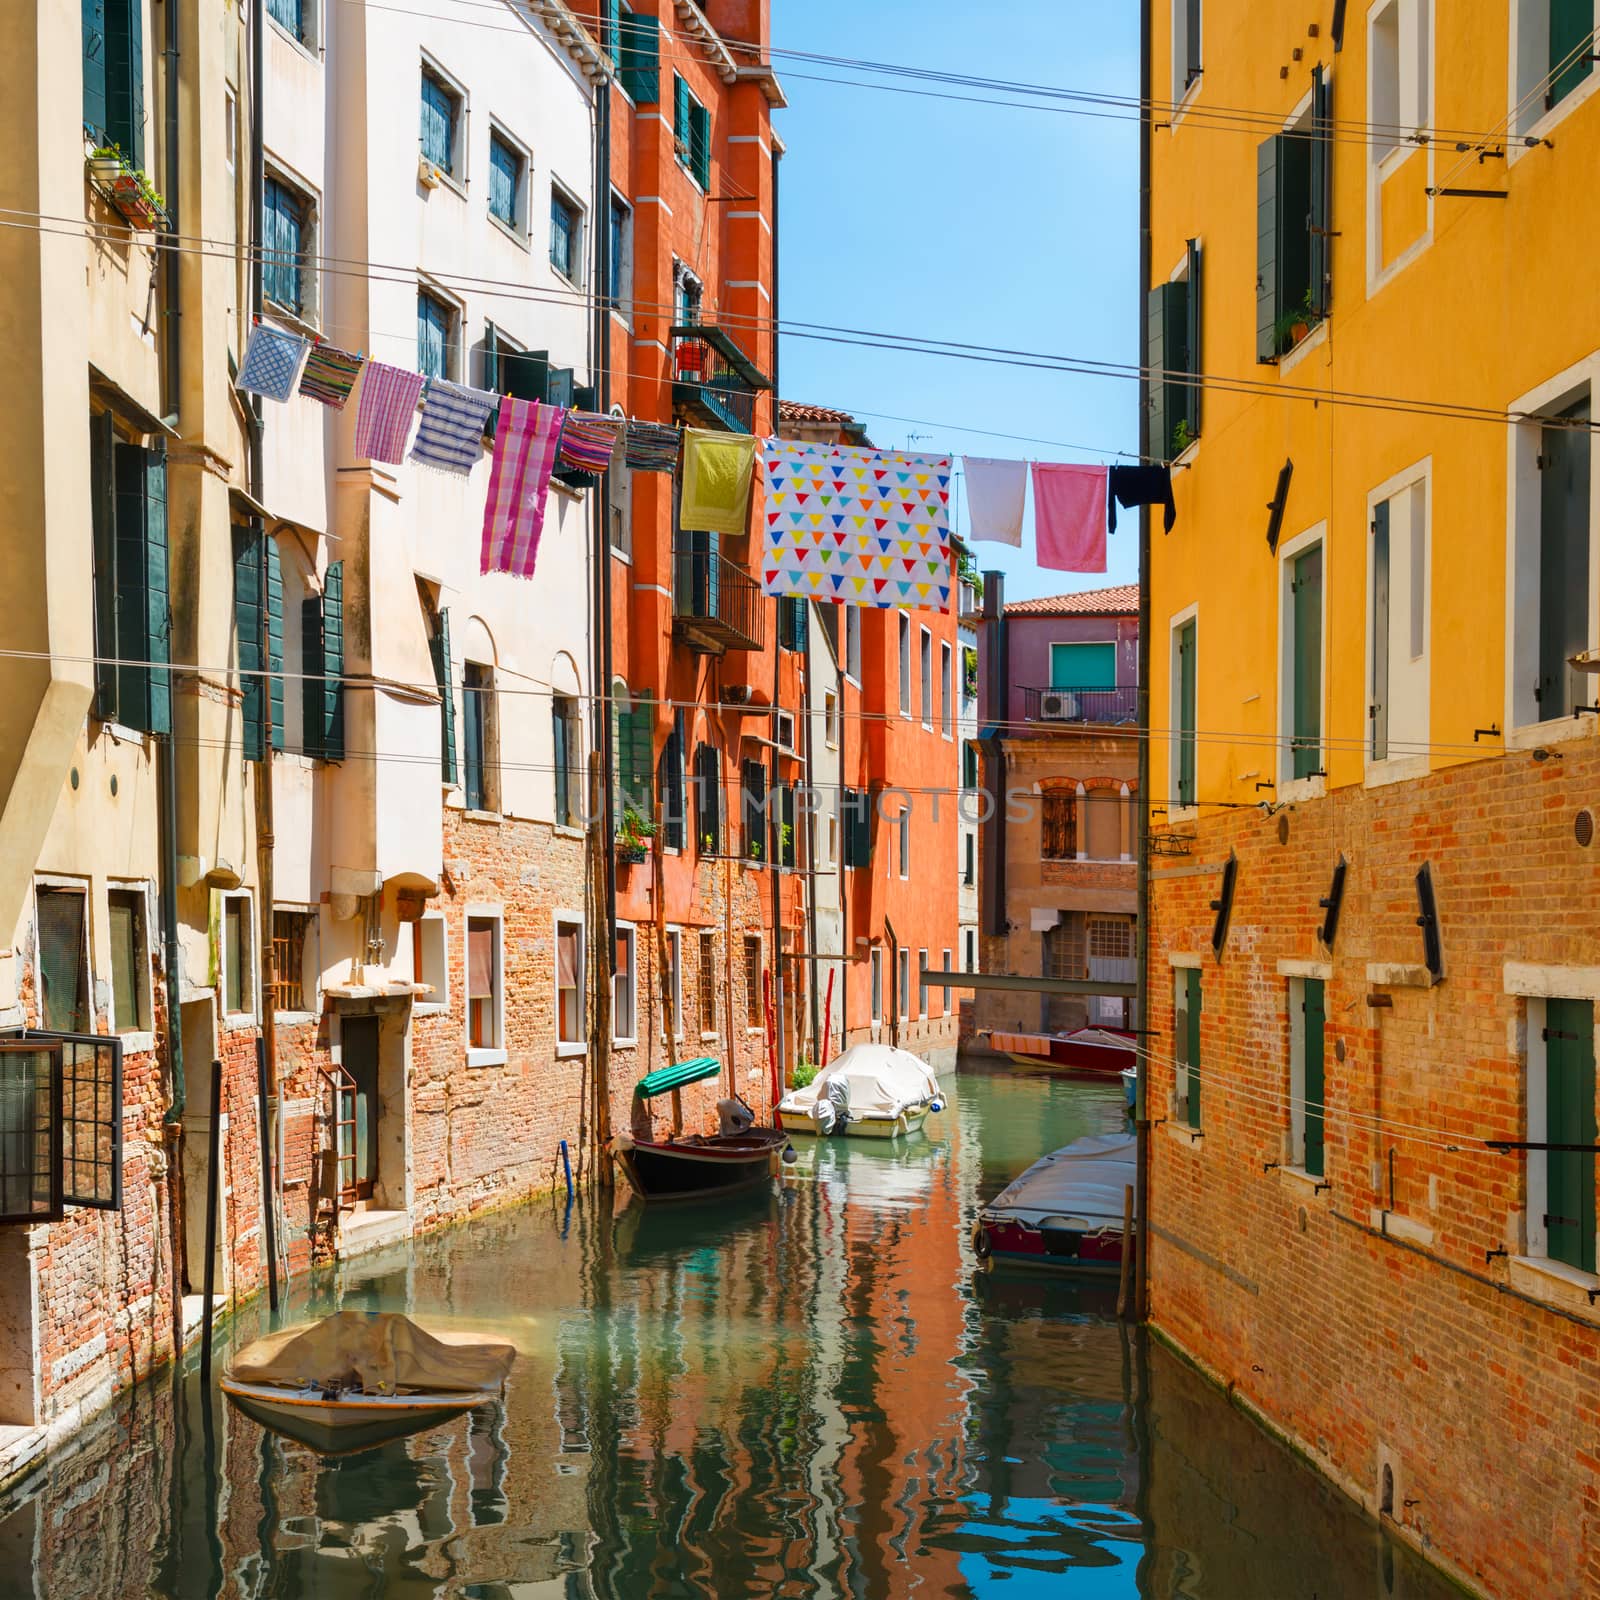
<point x="802" y="1391"/>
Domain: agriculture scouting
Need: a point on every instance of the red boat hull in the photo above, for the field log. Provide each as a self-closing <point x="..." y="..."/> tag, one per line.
<point x="1011" y="1243"/>
<point x="1066" y="1053"/>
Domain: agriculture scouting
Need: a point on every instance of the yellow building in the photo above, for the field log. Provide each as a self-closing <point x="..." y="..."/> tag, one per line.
<point x="1372" y="230"/>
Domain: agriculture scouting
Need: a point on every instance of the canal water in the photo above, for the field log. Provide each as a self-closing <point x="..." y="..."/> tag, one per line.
<point x="807" y="1393"/>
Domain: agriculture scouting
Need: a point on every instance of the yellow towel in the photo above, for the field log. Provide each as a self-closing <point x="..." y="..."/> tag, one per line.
<point x="716" y="481"/>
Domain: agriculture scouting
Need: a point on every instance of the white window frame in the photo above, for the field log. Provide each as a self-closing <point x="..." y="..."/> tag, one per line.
<point x="674" y="936"/>
<point x="144" y="999"/>
<point x="489" y="1055"/>
<point x="707" y="942"/>
<point x="759" y="1002"/>
<point x="875" y="990"/>
<point x="1176" y="625"/>
<point x="903" y="980"/>
<point x="440" y="1000"/>
<point x="251" y="974"/>
<point x="1413" y="764"/>
<point x="852" y="644"/>
<point x="945" y="1007"/>
<point x="580" y="232"/>
<point x="311" y="18"/>
<point x="830" y="840"/>
<point x="1412" y="114"/>
<point x="904" y="836"/>
<point x="1528" y="64"/>
<point x="309" y="316"/>
<point x="1289" y="787"/>
<point x="560" y="919"/>
<point x="830" y="719"/>
<point x="946" y="691"/>
<point x="619" y="499"/>
<point x="922" y="987"/>
<point x="904" y="647"/>
<point x="520" y="233"/>
<point x="1523" y="534"/>
<point x="461" y="133"/>
<point x="925" y="668"/>
<point x="627" y="934"/>
<point x="970" y="953"/>
<point x="621" y="293"/>
<point x="1183" y="92"/>
<point x="455" y="338"/>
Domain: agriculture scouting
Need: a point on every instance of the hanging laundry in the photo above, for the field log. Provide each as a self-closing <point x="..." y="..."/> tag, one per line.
<point x="589" y="440"/>
<point x="717" y="468"/>
<point x="996" y="493"/>
<point x="384" y="411"/>
<point x="526" y="439"/>
<point x="271" y="362"/>
<point x="450" y="435"/>
<point x="1069" y="517"/>
<point x="329" y="375"/>
<point x="856" y="526"/>
<point x="652" y="447"/>
<point x="1143" y="486"/>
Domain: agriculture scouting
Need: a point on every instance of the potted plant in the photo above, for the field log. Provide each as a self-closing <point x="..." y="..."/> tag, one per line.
<point x="634" y="833"/>
<point x="755" y="850"/>
<point x="105" y="164"/>
<point x="137" y="198"/>
<point x="1181" y="437"/>
<point x="708" y="844"/>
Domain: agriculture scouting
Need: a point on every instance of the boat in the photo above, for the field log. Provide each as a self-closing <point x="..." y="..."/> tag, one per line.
<point x="870" y="1091"/>
<point x="359" y="1379"/>
<point x="1087" y="1050"/>
<point x="1065" y="1212"/>
<point x="1130" y="1086"/>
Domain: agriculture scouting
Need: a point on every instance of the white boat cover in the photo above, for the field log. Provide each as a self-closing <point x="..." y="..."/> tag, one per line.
<point x="880" y="1080"/>
<point x="379" y="1352"/>
<point x="1084" y="1180"/>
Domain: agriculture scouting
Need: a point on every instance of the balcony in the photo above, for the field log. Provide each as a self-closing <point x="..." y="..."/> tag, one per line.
<point x="716" y="606"/>
<point x="1111" y="707"/>
<point x="712" y="379"/>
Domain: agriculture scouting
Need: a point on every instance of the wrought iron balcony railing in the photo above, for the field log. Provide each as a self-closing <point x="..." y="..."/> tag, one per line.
<point x="716" y="606"/>
<point x="713" y="380"/>
<point x="1111" y="706"/>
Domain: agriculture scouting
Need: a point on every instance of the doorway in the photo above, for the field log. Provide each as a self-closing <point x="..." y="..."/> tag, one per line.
<point x="359" y="1057"/>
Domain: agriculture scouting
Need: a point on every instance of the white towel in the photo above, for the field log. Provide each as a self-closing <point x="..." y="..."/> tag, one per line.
<point x="996" y="492"/>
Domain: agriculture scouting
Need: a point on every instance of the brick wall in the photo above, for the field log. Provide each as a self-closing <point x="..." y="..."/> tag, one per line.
<point x="1377" y="1330"/>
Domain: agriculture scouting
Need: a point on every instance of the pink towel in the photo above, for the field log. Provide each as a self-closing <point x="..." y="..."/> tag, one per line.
<point x="526" y="439"/>
<point x="385" y="409"/>
<point x="1069" y="517"/>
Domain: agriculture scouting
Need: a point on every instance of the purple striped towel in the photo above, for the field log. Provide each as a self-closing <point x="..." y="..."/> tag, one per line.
<point x="526" y="439"/>
<point x="385" y="409"/>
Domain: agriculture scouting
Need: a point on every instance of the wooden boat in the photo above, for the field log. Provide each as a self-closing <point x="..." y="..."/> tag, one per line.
<point x="692" y="1167"/>
<point x="1093" y="1051"/>
<point x="1065" y="1212"/>
<point x="870" y="1091"/>
<point x="357" y="1379"/>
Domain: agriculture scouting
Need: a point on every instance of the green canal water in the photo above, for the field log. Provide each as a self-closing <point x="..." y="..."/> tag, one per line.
<point x="805" y="1393"/>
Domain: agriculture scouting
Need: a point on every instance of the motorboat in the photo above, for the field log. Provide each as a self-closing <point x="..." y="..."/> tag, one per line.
<point x="692" y="1166"/>
<point x="1087" y="1050"/>
<point x="359" y="1379"/>
<point x="1130" y="1086"/>
<point x="1065" y="1212"/>
<point x="870" y="1091"/>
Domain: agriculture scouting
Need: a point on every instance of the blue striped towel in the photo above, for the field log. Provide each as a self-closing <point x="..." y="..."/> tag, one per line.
<point x="450" y="435"/>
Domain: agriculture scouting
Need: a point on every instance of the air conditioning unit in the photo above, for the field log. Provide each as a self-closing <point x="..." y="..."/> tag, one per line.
<point x="1058" y="705"/>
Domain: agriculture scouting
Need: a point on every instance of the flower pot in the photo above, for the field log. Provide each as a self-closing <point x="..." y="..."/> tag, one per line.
<point x="631" y="855"/>
<point x="105" y="170"/>
<point x="1299" y="331"/>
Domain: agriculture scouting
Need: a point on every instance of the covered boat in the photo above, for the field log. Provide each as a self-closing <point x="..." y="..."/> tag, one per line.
<point x="1065" y="1212"/>
<point x="870" y="1091"/>
<point x="1089" y="1050"/>
<point x="359" y="1379"/>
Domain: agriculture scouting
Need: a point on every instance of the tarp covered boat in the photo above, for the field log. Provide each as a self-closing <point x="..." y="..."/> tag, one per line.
<point x="1065" y="1212"/>
<point x="358" y="1379"/>
<point x="1089" y="1050"/>
<point x="870" y="1091"/>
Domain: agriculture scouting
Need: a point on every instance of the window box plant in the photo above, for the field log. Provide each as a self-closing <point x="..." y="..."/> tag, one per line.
<point x="105" y="164"/>
<point x="136" y="197"/>
<point x="634" y="833"/>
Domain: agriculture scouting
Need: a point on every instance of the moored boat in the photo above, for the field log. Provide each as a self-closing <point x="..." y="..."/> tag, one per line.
<point x="870" y="1091"/>
<point x="1087" y="1050"/>
<point x="696" y="1165"/>
<point x="1065" y="1213"/>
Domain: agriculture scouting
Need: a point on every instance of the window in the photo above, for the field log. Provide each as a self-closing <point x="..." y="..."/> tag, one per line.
<point x="852" y="643"/>
<point x="1185" y="665"/>
<point x="238" y="964"/>
<point x="905" y="843"/>
<point x="507" y="165"/>
<point x="619" y="256"/>
<point x="441" y="116"/>
<point x="1058" y="833"/>
<point x="484" y="957"/>
<point x="566" y="737"/>
<point x="619" y="502"/>
<point x="632" y="732"/>
<point x="922" y="987"/>
<point x="258" y="637"/>
<point x="63" y="918"/>
<point x="856" y="809"/>
<point x="903" y="957"/>
<point x="945" y="1002"/>
<point x="687" y="294"/>
<point x="708" y="798"/>
<point x="1561" y="1110"/>
<point x="969" y="851"/>
<point x="753" y="784"/>
<point x="639" y="55"/>
<point x="1063" y="948"/>
<point x="569" y="981"/>
<point x="1397" y="75"/>
<point x="1102" y="825"/>
<point x="1397" y="702"/>
<point x="60" y="1126"/>
<point x="1110" y="945"/>
<point x="1307" y="1025"/>
<point x="969" y="766"/>
<point x="830" y="719"/>
<point x="1553" y="50"/>
<point x="130" y="960"/>
<point x="1185" y="46"/>
<point x="785" y="817"/>
<point x="294" y="16"/>
<point x="289" y="932"/>
<point x="230" y="135"/>
<point x="430" y="960"/>
<point x="1564" y="563"/>
<point x="706" y="984"/>
<point x="674" y="807"/>
<point x="944" y="691"/>
<point x="624" y="1023"/>
<point x="691" y="133"/>
<point x="1186" y="1041"/>
<point x="1172" y="332"/>
<point x="1083" y="666"/>
<point x="113" y="74"/>
<point x="926" y="663"/>
<point x="905" y="664"/>
<point x="877" y="984"/>
<point x="1293" y="228"/>
<point x="830" y="842"/>
<point x="438" y="625"/>
<point x="969" y="675"/>
<point x="132" y="616"/>
<point x="436" y="336"/>
<point x="754" y="1008"/>
<point x="1302" y="665"/>
<point x="794" y="622"/>
<point x="566" y="228"/>
<point x="673" y="1005"/>
<point x="970" y="940"/>
<point x="287" y="266"/>
<point x="481" y="741"/>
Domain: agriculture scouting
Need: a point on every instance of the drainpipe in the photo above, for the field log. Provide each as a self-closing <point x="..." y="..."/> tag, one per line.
<point x="997" y="695"/>
<point x="1141" y="1292"/>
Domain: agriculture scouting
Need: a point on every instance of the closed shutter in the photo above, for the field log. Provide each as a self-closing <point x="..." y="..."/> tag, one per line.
<point x="1320" y="221"/>
<point x="1194" y="364"/>
<point x="672" y="807"/>
<point x="1306" y="587"/>
<point x="1571" y="47"/>
<point x="1191" y="1040"/>
<point x="1059" y="813"/>
<point x="680" y="114"/>
<point x="275" y="639"/>
<point x="94" y="66"/>
<point x="1378" y="711"/>
<point x="103" y="509"/>
<point x="559" y="389"/>
<point x="640" y="57"/>
<point x="857" y="828"/>
<point x="700" y="145"/>
<point x="144" y="618"/>
<point x="1188" y="664"/>
<point x="439" y="649"/>
<point x="491" y="361"/>
<point x="124" y="36"/>
<point x="1267" y="306"/>
<point x="1314" y="1013"/>
<point x="613" y="30"/>
<point x="1570" y="1119"/>
<point x="323" y="654"/>
<point x="633" y="730"/>
<point x="247" y="607"/>
<point x="1565" y="454"/>
<point x="1157" y="425"/>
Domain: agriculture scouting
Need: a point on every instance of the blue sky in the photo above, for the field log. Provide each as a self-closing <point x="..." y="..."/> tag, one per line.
<point x="974" y="223"/>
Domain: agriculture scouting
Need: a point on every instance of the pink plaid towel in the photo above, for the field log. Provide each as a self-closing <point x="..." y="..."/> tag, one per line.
<point x="385" y="410"/>
<point x="525" y="443"/>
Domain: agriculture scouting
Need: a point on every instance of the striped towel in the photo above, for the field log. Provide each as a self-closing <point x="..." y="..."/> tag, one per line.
<point x="652" y="447"/>
<point x="451" y="434"/>
<point x="526" y="439"/>
<point x="384" y="409"/>
<point x="329" y="375"/>
<point x="271" y="362"/>
<point x="589" y="440"/>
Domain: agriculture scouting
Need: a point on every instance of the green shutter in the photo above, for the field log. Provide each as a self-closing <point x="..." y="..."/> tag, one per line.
<point x="1157" y="427"/>
<point x="247" y="599"/>
<point x="700" y="145"/>
<point x="1314" y="1013"/>
<point x="680" y="112"/>
<point x="613" y="30"/>
<point x="144" y="619"/>
<point x="125" y="77"/>
<point x="439" y="648"/>
<point x="1378" y="709"/>
<point x="639" y="756"/>
<point x="1306" y="588"/>
<point x="1191" y="1040"/>
<point x="491" y="359"/>
<point x="1267" y="307"/>
<point x="524" y="375"/>
<point x="333" y="661"/>
<point x="1570" y="1119"/>
<point x="275" y="639"/>
<point x="1194" y="364"/>
<point x="103" y="509"/>
<point x="1571" y="47"/>
<point x="640" y="57"/>
<point x="94" y="66"/>
<point x="1187" y="665"/>
<point x="1319" y="241"/>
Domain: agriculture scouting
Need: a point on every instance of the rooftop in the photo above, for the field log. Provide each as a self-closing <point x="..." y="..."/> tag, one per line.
<point x="1120" y="601"/>
<point x="793" y="411"/>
